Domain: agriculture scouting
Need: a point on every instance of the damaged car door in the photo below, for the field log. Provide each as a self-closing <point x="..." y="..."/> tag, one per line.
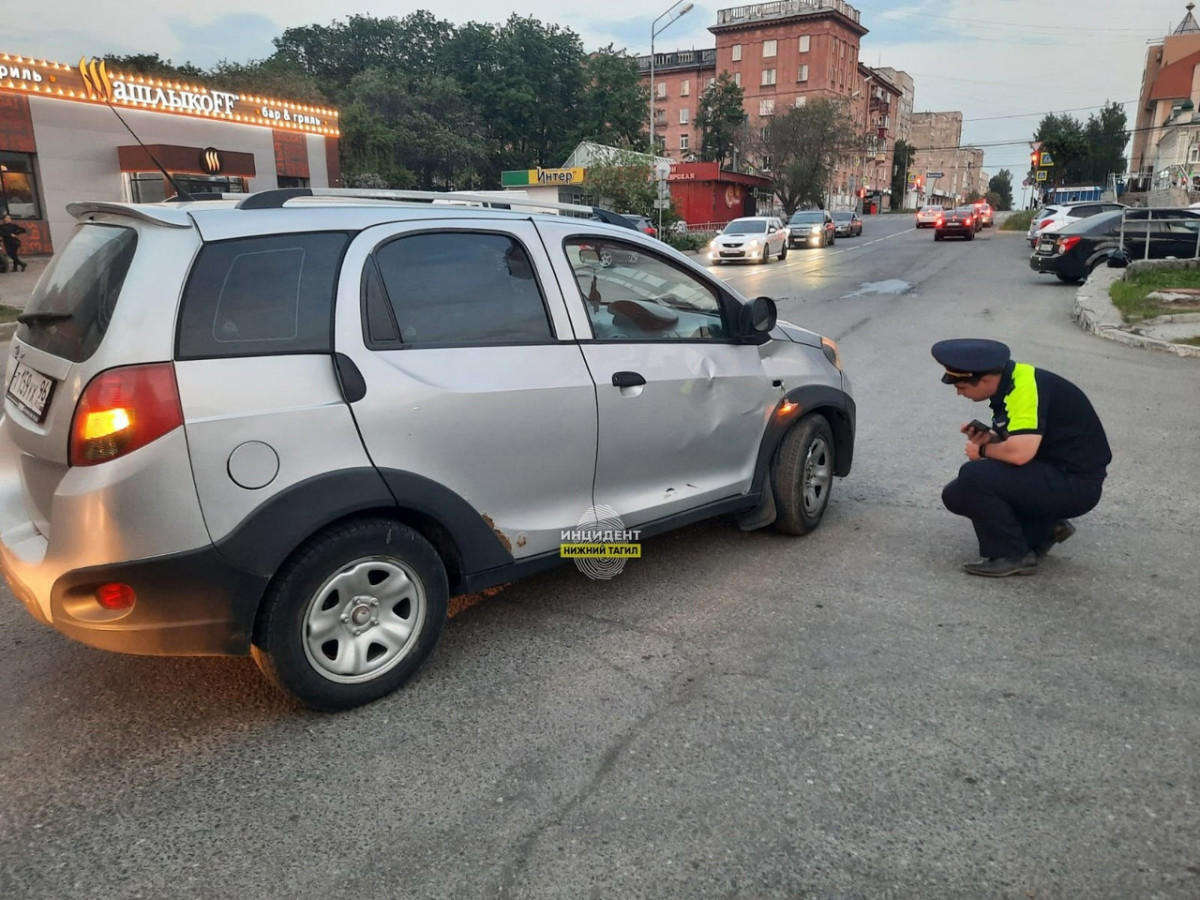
<point x="682" y="401"/>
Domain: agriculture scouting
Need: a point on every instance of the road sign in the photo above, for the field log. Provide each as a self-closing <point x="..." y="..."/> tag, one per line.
<point x="1025" y="183"/>
<point x="935" y="174"/>
<point x="1042" y="173"/>
<point x="662" y="168"/>
<point x="1046" y="160"/>
<point x="1035" y="146"/>
<point x="912" y="178"/>
<point x="662" y="204"/>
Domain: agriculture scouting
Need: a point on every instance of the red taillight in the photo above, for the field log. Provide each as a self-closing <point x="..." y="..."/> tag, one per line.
<point x="969" y="220"/>
<point x="115" y="595"/>
<point x="1044" y="223"/>
<point x="124" y="409"/>
<point x="1065" y="244"/>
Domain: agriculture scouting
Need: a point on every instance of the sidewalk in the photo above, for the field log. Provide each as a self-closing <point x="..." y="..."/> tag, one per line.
<point x="1095" y="312"/>
<point x="17" y="287"/>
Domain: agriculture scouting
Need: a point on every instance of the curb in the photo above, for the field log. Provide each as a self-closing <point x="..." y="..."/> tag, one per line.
<point x="1095" y="313"/>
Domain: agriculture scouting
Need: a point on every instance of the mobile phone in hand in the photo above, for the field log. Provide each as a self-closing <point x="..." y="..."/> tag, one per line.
<point x="976" y="425"/>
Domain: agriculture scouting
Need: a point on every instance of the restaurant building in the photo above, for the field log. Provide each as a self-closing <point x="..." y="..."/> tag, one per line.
<point x="87" y="132"/>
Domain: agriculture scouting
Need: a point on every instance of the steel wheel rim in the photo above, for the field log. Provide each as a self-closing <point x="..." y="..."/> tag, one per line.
<point x="818" y="473"/>
<point x="364" y="619"/>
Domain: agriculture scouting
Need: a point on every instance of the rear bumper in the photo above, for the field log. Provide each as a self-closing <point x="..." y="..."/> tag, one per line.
<point x="189" y="604"/>
<point x="1056" y="265"/>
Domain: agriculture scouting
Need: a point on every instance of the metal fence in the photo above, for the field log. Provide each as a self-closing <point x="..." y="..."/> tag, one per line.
<point x="1171" y="224"/>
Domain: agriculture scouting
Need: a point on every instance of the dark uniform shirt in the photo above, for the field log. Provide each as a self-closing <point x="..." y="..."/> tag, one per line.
<point x="1034" y="401"/>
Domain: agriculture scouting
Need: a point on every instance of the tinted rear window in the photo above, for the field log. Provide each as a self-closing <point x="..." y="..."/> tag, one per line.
<point x="78" y="292"/>
<point x="261" y="296"/>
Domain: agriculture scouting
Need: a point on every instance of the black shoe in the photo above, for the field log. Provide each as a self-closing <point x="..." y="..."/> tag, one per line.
<point x="1059" y="532"/>
<point x="1002" y="567"/>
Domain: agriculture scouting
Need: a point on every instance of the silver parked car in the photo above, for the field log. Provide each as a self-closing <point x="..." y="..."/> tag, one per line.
<point x="752" y="238"/>
<point x="294" y="426"/>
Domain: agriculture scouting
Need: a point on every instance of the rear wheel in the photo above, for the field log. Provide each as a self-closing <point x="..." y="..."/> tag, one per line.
<point x="1068" y="279"/>
<point x="937" y="235"/>
<point x="803" y="475"/>
<point x="352" y="614"/>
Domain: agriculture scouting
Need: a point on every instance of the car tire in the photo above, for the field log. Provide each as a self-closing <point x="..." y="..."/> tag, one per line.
<point x="832" y="239"/>
<point x="1068" y="279"/>
<point x="783" y="251"/>
<point x="376" y="593"/>
<point x="937" y="235"/>
<point x="971" y="236"/>
<point x="766" y="255"/>
<point x="802" y="475"/>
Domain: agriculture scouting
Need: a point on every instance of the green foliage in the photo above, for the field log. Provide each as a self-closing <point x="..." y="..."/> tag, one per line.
<point x="274" y="77"/>
<point x="902" y="160"/>
<point x="152" y="64"/>
<point x="994" y="200"/>
<point x="1129" y="294"/>
<point x="1000" y="184"/>
<point x="612" y="107"/>
<point x="685" y="242"/>
<point x="1084" y="154"/>
<point x="805" y="145"/>
<point x="721" y="120"/>
<point x="625" y="184"/>
<point x="1018" y="221"/>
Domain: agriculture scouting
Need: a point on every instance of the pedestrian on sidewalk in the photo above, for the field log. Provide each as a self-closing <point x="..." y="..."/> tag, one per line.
<point x="12" y="244"/>
<point x="1042" y="461"/>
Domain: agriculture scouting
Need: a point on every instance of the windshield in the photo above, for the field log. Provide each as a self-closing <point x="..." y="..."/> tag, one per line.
<point x="746" y="226"/>
<point x="807" y="218"/>
<point x="74" y="300"/>
<point x="843" y="217"/>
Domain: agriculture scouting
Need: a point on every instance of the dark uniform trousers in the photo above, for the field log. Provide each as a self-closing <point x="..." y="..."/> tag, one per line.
<point x="1014" y="507"/>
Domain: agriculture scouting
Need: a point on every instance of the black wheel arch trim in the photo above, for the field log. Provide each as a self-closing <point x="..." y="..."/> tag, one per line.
<point x="839" y="409"/>
<point x="462" y="535"/>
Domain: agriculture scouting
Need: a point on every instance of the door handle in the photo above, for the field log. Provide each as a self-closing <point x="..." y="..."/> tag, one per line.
<point x="627" y="379"/>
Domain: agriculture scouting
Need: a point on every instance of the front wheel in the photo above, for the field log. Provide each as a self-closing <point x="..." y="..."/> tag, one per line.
<point x="802" y="475"/>
<point x="783" y="248"/>
<point x="766" y="255"/>
<point x="352" y="614"/>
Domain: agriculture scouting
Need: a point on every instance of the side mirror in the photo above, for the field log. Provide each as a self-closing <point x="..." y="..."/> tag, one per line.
<point x="1118" y="259"/>
<point x="757" y="317"/>
<point x="589" y="256"/>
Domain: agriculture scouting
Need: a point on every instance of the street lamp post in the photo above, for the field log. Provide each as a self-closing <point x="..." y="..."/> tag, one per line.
<point x="860" y="198"/>
<point x="655" y="31"/>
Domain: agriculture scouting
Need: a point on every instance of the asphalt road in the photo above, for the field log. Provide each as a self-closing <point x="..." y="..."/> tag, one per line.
<point x="845" y="715"/>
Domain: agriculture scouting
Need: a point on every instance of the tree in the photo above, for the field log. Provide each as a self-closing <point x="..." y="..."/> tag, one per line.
<point x="612" y="108"/>
<point x="1001" y="185"/>
<point x="1106" y="137"/>
<point x="1063" y="138"/>
<point x="720" y="120"/>
<point x="275" y="77"/>
<point x="805" y="145"/>
<point x="624" y="181"/>
<point x="902" y="159"/>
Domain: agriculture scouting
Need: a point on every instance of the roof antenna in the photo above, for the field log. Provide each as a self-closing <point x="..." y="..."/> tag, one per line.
<point x="95" y="76"/>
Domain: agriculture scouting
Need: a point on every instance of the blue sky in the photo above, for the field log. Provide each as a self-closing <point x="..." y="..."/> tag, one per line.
<point x="1003" y="63"/>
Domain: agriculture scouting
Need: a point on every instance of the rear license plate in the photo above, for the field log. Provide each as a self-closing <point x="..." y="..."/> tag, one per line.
<point x="30" y="390"/>
<point x="1045" y="246"/>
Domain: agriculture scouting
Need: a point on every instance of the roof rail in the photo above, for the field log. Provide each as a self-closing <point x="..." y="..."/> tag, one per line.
<point x="278" y="197"/>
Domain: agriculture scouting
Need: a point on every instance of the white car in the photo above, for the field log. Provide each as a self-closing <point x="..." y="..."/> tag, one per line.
<point x="927" y="216"/>
<point x="755" y="238"/>
<point x="1059" y="215"/>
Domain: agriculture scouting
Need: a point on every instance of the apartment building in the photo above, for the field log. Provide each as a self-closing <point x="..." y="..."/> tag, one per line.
<point x="679" y="79"/>
<point x="1169" y="80"/>
<point x="944" y="171"/>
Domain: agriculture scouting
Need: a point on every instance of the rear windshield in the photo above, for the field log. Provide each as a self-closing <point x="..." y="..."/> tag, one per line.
<point x="74" y="300"/>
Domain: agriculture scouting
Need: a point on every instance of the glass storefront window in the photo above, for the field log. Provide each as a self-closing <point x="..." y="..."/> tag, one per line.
<point x="18" y="186"/>
<point x="151" y="187"/>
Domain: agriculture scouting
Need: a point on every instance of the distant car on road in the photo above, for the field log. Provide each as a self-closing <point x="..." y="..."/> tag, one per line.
<point x="927" y="216"/>
<point x="847" y="224"/>
<point x="811" y="228"/>
<point x="756" y="238"/>
<point x="960" y="222"/>
<point x="1074" y="251"/>
<point x="983" y="209"/>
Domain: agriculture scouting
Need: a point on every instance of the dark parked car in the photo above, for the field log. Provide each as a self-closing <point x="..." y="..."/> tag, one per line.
<point x="811" y="228"/>
<point x="847" y="224"/>
<point x="962" y="222"/>
<point x="642" y="224"/>
<point x="1072" y="253"/>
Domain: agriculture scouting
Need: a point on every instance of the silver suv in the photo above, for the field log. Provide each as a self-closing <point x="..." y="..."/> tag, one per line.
<point x="294" y="425"/>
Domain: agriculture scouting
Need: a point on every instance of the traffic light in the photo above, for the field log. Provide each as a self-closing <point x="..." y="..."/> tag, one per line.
<point x="920" y="182"/>
<point x="1033" y="159"/>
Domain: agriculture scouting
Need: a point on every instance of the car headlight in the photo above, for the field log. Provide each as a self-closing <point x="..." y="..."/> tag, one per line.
<point x="753" y="242"/>
<point x="816" y="229"/>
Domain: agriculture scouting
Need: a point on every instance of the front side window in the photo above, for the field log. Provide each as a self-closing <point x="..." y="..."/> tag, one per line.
<point x="632" y="295"/>
<point x="18" y="186"/>
<point x="455" y="289"/>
